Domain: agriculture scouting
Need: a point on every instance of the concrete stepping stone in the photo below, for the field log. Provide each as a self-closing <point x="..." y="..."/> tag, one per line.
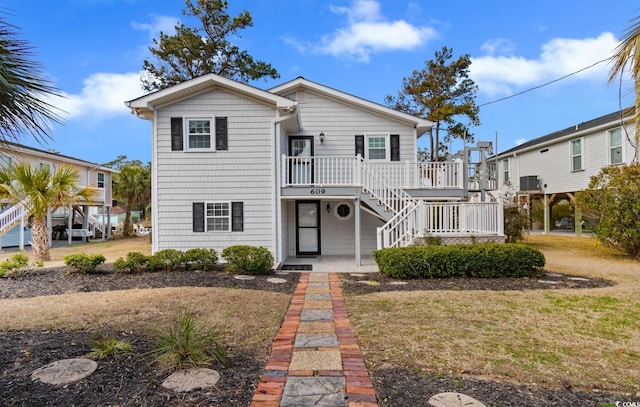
<point x="282" y="273"/>
<point x="313" y="391"/>
<point x="369" y="282"/>
<point x="554" y="275"/>
<point x="316" y="315"/>
<point x="398" y="283"/>
<point x="317" y="297"/>
<point x="244" y="277"/>
<point x="65" y="371"/>
<point x="191" y="379"/>
<point x="358" y="275"/>
<point x="318" y="284"/>
<point x="548" y="282"/>
<point x="316" y="341"/>
<point x="276" y="280"/>
<point x="451" y="399"/>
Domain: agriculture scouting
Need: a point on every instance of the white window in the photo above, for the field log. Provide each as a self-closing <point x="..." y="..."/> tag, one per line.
<point x="615" y="146"/>
<point x="199" y="134"/>
<point x="100" y="180"/>
<point x="218" y="216"/>
<point x="576" y="155"/>
<point x="377" y="147"/>
<point x="505" y="170"/>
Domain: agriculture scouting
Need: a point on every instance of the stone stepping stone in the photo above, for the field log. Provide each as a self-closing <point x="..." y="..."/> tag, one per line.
<point x="451" y="399"/>
<point x="316" y="315"/>
<point x="578" y="279"/>
<point x="316" y="341"/>
<point x="191" y="379"/>
<point x="548" y="282"/>
<point x="398" y="283"/>
<point x="316" y="360"/>
<point x="318" y="284"/>
<point x="65" y="371"/>
<point x="314" y="391"/>
<point x="276" y="280"/>
<point x="317" y="297"/>
<point x="244" y="277"/>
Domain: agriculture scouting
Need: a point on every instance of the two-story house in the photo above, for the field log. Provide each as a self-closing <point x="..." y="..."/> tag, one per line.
<point x="65" y="223"/>
<point x="552" y="168"/>
<point x="301" y="169"/>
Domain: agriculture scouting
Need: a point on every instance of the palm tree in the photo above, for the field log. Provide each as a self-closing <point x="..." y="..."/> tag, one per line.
<point x="132" y="183"/>
<point x="42" y="191"/>
<point x="627" y="56"/>
<point x="23" y="89"/>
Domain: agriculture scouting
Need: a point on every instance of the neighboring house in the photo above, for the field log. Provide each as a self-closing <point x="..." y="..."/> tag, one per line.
<point x="301" y="169"/>
<point x="81" y="218"/>
<point x="554" y="167"/>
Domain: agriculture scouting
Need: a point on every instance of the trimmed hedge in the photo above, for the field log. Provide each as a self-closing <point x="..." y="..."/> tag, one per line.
<point x="168" y="260"/>
<point x="83" y="263"/>
<point x="243" y="259"/>
<point x="489" y="260"/>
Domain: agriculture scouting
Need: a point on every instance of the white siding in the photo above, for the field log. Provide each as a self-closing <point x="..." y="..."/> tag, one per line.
<point x="242" y="173"/>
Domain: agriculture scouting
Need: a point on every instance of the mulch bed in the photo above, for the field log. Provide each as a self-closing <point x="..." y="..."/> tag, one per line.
<point x="131" y="380"/>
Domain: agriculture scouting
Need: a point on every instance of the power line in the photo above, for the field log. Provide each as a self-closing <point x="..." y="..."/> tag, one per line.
<point x="544" y="84"/>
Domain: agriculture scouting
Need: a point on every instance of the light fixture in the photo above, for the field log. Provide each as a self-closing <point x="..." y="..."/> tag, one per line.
<point x="321" y="137"/>
<point x="329" y="208"/>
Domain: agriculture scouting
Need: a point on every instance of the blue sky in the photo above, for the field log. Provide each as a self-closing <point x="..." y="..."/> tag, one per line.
<point x="92" y="50"/>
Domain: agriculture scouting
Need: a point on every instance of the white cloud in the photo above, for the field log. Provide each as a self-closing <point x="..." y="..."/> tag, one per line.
<point x="559" y="57"/>
<point x="166" y="24"/>
<point x="102" y="96"/>
<point x="520" y="141"/>
<point x="367" y="32"/>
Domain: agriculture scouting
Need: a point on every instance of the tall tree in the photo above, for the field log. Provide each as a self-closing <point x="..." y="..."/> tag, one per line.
<point x="441" y="92"/>
<point x="627" y="56"/>
<point x="40" y="191"/>
<point x="23" y="89"/>
<point x="133" y="184"/>
<point x="193" y="52"/>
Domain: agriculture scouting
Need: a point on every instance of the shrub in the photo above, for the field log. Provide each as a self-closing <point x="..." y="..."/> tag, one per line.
<point x="200" y="259"/>
<point x="135" y="262"/>
<point x="251" y="260"/>
<point x="18" y="263"/>
<point x="83" y="263"/>
<point x="187" y="344"/>
<point x="516" y="223"/>
<point x="482" y="260"/>
<point x="165" y="260"/>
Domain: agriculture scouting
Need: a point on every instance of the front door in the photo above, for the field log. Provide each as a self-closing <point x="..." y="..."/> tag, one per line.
<point x="307" y="228"/>
<point x="301" y="168"/>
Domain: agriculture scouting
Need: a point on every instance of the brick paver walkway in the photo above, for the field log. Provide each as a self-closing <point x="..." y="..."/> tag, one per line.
<point x="315" y="358"/>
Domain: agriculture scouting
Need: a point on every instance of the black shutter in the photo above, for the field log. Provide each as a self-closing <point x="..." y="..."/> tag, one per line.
<point x="198" y="216"/>
<point x="395" y="147"/>
<point x="176" y="134"/>
<point x="360" y="146"/>
<point x="221" y="133"/>
<point x="237" y="217"/>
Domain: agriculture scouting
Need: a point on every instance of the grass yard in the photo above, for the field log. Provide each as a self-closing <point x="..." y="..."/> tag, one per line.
<point x="582" y="338"/>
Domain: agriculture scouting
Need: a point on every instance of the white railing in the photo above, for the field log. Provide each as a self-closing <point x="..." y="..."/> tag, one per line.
<point x="463" y="218"/>
<point x="11" y="216"/>
<point x="401" y="230"/>
<point x="390" y="196"/>
<point x="342" y="170"/>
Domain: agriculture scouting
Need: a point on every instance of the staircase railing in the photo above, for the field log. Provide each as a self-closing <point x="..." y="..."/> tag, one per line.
<point x="11" y="216"/>
<point x="391" y="197"/>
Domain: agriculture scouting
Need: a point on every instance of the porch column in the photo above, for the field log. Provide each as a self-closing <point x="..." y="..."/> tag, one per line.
<point x="49" y="231"/>
<point x="357" y="231"/>
<point x="69" y="224"/>
<point x="21" y="235"/>
<point x="546" y="215"/>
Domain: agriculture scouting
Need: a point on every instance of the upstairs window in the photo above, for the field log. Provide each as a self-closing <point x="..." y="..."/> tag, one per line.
<point x="576" y="155"/>
<point x="377" y="147"/>
<point x="505" y="170"/>
<point x="199" y="133"/>
<point x="615" y="146"/>
<point x="100" y="180"/>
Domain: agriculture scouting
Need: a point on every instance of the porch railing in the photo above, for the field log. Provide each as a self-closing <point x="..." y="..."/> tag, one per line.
<point x="347" y="170"/>
<point x="11" y="216"/>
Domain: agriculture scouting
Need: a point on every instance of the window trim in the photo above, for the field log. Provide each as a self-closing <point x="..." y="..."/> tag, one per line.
<point x="581" y="155"/>
<point x="98" y="179"/>
<point x="212" y="132"/>
<point x="387" y="146"/>
<point x="229" y="217"/>
<point x="609" y="147"/>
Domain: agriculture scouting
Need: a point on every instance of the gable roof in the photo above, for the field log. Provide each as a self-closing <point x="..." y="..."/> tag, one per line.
<point x="8" y="146"/>
<point x="572" y="132"/>
<point x="421" y="125"/>
<point x="145" y="105"/>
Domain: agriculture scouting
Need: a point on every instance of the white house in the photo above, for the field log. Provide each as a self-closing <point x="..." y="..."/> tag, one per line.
<point x="302" y="169"/>
<point x="66" y="223"/>
<point x="554" y="167"/>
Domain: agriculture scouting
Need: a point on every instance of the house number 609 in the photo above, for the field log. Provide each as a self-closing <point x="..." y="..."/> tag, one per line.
<point x="318" y="191"/>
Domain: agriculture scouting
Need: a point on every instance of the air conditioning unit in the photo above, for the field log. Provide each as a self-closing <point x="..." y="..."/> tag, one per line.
<point x="529" y="183"/>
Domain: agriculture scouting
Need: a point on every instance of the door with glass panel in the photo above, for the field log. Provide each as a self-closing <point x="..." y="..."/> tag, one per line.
<point x="301" y="164"/>
<point x="307" y="228"/>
